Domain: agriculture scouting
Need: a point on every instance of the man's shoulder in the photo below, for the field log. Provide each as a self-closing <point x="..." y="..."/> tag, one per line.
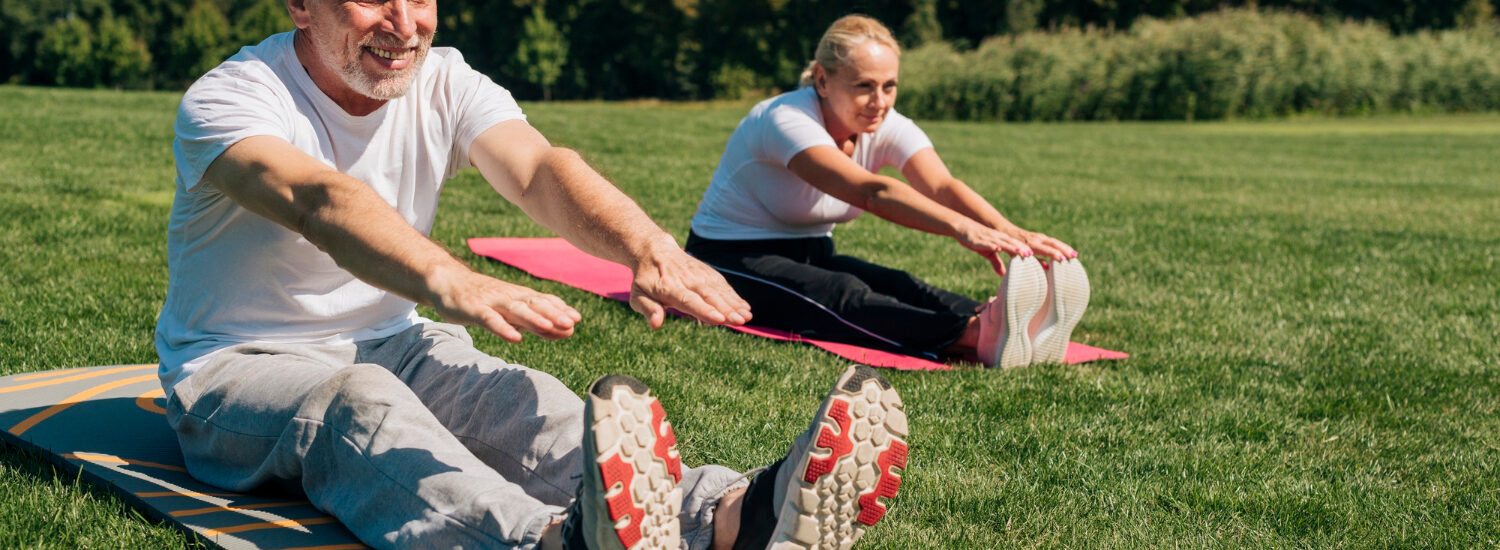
<point x="252" y="68"/>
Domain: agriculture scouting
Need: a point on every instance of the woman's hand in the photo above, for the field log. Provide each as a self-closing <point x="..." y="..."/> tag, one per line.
<point x="989" y="243"/>
<point x="1046" y="246"/>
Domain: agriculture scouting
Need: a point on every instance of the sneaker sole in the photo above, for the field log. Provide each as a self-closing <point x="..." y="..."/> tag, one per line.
<point x="1025" y="290"/>
<point x="1070" y="297"/>
<point x="844" y="481"/>
<point x="635" y="454"/>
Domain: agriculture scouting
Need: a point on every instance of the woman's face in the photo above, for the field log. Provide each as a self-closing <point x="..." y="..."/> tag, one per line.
<point x="857" y="96"/>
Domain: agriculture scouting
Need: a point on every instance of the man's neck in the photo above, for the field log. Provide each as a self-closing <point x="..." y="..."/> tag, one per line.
<point x="329" y="81"/>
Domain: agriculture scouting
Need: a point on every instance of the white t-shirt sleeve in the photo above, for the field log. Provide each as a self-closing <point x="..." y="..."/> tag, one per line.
<point x="479" y="104"/>
<point x="218" y="111"/>
<point x="898" y="140"/>
<point x="788" y="129"/>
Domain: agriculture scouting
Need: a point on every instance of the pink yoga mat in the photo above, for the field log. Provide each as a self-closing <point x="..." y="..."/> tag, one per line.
<point x="556" y="260"/>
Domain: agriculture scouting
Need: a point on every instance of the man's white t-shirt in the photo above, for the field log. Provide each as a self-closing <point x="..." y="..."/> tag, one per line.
<point x="237" y="277"/>
<point x="754" y="196"/>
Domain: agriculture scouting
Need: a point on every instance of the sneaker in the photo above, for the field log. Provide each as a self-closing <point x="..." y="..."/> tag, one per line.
<point x="1067" y="297"/>
<point x="1003" y="340"/>
<point x="628" y="498"/>
<point x="839" y="474"/>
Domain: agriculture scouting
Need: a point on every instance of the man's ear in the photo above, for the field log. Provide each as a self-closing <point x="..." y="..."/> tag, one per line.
<point x="298" y="9"/>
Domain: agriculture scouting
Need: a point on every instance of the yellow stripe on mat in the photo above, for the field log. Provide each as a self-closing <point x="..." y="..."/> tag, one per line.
<point x="84" y="376"/>
<point x="283" y="524"/>
<point x="48" y="374"/>
<point x="74" y="399"/>
<point x="212" y="509"/>
<point x="147" y="401"/>
<point x="99" y="458"/>
<point x="158" y="494"/>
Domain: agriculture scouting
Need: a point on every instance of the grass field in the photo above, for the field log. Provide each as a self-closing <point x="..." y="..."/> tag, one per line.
<point x="1312" y="308"/>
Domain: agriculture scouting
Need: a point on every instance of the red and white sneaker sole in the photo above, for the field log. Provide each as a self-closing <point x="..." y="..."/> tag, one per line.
<point x="852" y="469"/>
<point x="640" y="468"/>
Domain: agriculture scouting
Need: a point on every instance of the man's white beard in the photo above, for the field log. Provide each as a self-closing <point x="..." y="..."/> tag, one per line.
<point x="394" y="84"/>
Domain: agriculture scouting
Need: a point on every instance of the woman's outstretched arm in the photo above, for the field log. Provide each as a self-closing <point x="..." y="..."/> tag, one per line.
<point x="930" y="176"/>
<point x="830" y="171"/>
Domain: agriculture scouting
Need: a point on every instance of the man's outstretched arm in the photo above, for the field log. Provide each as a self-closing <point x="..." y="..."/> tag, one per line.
<point x="366" y="236"/>
<point x="555" y="187"/>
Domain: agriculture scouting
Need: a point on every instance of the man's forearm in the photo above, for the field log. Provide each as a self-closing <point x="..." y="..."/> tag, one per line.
<point x="571" y="199"/>
<point x="368" y="238"/>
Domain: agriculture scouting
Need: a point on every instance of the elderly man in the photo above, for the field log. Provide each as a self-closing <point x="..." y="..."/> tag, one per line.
<point x="308" y="172"/>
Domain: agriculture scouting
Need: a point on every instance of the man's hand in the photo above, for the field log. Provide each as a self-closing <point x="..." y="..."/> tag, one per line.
<point x="667" y="277"/>
<point x="469" y="298"/>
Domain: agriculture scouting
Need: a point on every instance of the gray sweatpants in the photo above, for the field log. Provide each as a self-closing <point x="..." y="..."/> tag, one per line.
<point x="417" y="440"/>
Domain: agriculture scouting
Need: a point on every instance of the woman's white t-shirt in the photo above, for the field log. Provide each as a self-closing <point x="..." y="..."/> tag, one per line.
<point x="754" y="196"/>
<point x="237" y="277"/>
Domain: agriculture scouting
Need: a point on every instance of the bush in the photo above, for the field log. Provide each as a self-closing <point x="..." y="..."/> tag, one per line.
<point x="65" y="55"/>
<point x="122" y="60"/>
<point x="1239" y="63"/>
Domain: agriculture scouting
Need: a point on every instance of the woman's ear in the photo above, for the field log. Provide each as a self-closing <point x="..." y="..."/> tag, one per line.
<point x="820" y="80"/>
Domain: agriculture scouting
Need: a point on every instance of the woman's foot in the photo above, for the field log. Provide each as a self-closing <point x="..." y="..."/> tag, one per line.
<point x="1003" y="338"/>
<point x="1067" y="297"/>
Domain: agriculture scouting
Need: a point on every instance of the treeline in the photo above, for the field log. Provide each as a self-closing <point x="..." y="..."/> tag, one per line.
<point x="610" y="49"/>
<point x="127" y="43"/>
<point x="1240" y="63"/>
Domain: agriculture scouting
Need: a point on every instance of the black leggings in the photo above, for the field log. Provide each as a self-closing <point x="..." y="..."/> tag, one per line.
<point x="802" y="286"/>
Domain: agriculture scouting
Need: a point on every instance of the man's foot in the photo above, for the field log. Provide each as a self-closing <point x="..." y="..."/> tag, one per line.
<point x="1003" y="338"/>
<point x="1067" y="297"/>
<point x="837" y="477"/>
<point x="628" y="498"/>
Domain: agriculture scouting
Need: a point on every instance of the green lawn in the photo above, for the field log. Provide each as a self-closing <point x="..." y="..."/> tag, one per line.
<point x="1311" y="307"/>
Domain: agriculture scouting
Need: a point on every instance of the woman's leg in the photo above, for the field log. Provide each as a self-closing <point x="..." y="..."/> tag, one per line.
<point x="825" y="304"/>
<point x="904" y="286"/>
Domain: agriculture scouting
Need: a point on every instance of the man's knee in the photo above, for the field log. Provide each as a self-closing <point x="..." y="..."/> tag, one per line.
<point x="356" y="391"/>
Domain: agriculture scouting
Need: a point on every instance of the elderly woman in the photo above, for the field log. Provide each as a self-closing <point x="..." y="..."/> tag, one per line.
<point x="804" y="161"/>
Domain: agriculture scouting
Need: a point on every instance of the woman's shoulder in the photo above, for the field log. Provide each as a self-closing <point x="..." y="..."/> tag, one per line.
<point x="802" y="101"/>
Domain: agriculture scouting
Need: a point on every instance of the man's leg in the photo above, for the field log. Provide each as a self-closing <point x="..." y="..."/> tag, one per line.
<point x="355" y="439"/>
<point x="524" y="423"/>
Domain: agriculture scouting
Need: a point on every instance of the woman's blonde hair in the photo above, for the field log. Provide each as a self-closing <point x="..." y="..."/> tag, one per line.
<point x="840" y="40"/>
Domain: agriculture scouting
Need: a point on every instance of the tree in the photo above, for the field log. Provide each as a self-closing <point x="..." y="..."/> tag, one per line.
<point x="923" y="25"/>
<point x="65" y="55"/>
<point x="200" y="43"/>
<point x="542" y="51"/>
<point x="120" y="59"/>
<point x="260" y="19"/>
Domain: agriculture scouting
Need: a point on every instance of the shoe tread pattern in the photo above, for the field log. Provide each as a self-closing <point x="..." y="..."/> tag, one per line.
<point x="1070" y="297"/>
<point x="639" y="465"/>
<point x="853" y="468"/>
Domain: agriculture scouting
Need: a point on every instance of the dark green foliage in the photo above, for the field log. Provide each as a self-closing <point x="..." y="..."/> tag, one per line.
<point x="65" y="55"/>
<point x="258" y="19"/>
<point x="199" y="43"/>
<point x="1243" y="63"/>
<point x="121" y="58"/>
<point x="698" y="49"/>
<point x="541" y="52"/>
